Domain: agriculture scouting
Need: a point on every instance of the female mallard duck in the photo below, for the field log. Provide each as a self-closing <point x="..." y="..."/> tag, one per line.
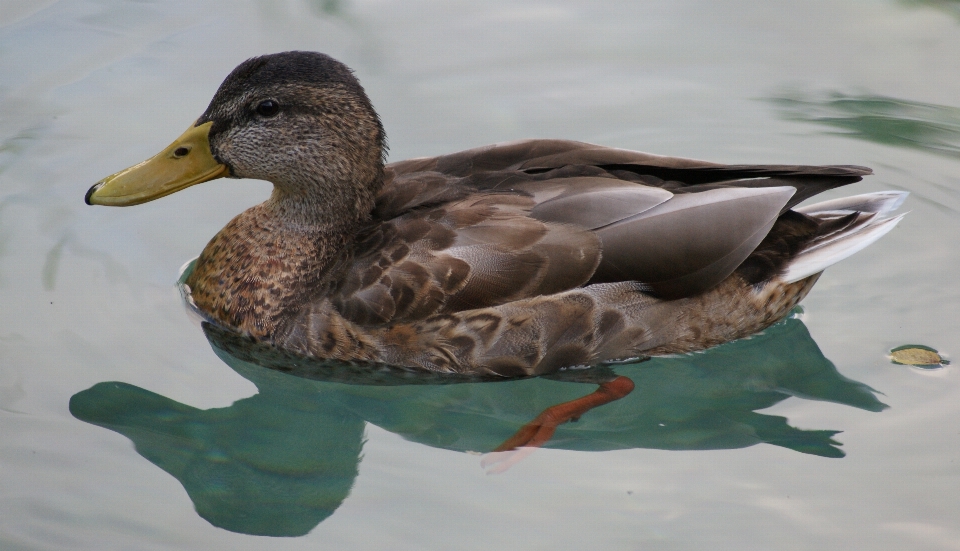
<point x="511" y="259"/>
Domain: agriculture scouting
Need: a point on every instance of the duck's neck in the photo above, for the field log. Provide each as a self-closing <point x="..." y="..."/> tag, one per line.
<point x="329" y="204"/>
<point x="271" y="259"/>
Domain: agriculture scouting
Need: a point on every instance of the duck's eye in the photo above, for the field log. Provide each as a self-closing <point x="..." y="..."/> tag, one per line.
<point x="268" y="108"/>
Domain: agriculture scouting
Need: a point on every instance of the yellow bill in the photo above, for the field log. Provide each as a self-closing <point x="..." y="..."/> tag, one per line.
<point x="185" y="162"/>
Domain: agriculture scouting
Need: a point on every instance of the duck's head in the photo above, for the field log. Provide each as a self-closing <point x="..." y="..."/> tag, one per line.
<point x="300" y="120"/>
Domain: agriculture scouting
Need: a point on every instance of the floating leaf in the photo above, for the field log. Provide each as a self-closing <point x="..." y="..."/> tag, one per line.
<point x="918" y="355"/>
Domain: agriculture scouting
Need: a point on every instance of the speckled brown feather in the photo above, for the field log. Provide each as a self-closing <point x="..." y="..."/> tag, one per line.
<point x="253" y="273"/>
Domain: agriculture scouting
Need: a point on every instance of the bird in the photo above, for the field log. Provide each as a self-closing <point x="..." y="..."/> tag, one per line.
<point x="507" y="260"/>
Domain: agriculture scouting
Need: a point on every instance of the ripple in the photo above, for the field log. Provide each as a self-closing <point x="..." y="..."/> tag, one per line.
<point x="880" y="119"/>
<point x="950" y="6"/>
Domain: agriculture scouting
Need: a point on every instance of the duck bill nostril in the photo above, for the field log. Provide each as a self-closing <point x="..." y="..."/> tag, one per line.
<point x="181" y="152"/>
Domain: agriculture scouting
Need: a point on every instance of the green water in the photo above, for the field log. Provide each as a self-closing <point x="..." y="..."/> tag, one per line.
<point x="123" y="428"/>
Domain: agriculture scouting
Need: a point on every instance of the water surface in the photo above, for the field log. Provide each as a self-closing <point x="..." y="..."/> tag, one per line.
<point x="123" y="428"/>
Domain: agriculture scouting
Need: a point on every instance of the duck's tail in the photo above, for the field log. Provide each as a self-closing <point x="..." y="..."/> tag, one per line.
<point x="850" y="224"/>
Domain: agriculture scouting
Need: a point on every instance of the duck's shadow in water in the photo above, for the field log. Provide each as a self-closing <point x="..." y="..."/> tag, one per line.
<point x="280" y="462"/>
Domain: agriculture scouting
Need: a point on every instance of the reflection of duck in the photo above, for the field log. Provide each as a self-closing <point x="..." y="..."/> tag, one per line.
<point x="513" y="259"/>
<point x="281" y="461"/>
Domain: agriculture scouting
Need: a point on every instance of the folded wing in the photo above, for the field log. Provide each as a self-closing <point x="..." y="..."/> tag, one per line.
<point x="496" y="224"/>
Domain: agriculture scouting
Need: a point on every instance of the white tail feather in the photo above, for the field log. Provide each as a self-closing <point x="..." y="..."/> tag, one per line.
<point x="880" y="202"/>
<point x="819" y="257"/>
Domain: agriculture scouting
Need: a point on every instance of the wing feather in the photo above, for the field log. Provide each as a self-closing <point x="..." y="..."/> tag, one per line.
<point x="479" y="251"/>
<point x="691" y="242"/>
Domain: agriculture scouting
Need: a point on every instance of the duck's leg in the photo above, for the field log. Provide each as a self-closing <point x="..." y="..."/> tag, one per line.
<point x="538" y="432"/>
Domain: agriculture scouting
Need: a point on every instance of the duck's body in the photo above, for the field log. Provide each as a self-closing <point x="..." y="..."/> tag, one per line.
<point x="514" y="259"/>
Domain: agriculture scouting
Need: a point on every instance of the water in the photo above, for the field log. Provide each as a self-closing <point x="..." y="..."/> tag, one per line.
<point x="123" y="428"/>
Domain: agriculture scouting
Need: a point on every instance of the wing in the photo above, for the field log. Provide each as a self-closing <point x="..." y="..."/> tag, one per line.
<point x="500" y="165"/>
<point x="482" y="250"/>
<point x="680" y="226"/>
<point x="540" y="155"/>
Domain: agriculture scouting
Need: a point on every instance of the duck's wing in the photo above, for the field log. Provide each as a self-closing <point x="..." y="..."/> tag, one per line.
<point x="680" y="226"/>
<point x="542" y="237"/>
<point x="481" y="250"/>
<point x="504" y="167"/>
<point x="677" y="174"/>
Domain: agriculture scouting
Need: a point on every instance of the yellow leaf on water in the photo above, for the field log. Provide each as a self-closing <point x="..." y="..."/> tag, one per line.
<point x="916" y="355"/>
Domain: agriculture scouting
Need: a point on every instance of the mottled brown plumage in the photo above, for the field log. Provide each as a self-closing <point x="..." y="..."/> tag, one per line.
<point x="513" y="259"/>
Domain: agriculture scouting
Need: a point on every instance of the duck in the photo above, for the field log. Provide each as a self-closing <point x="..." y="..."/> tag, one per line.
<point x="508" y="260"/>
